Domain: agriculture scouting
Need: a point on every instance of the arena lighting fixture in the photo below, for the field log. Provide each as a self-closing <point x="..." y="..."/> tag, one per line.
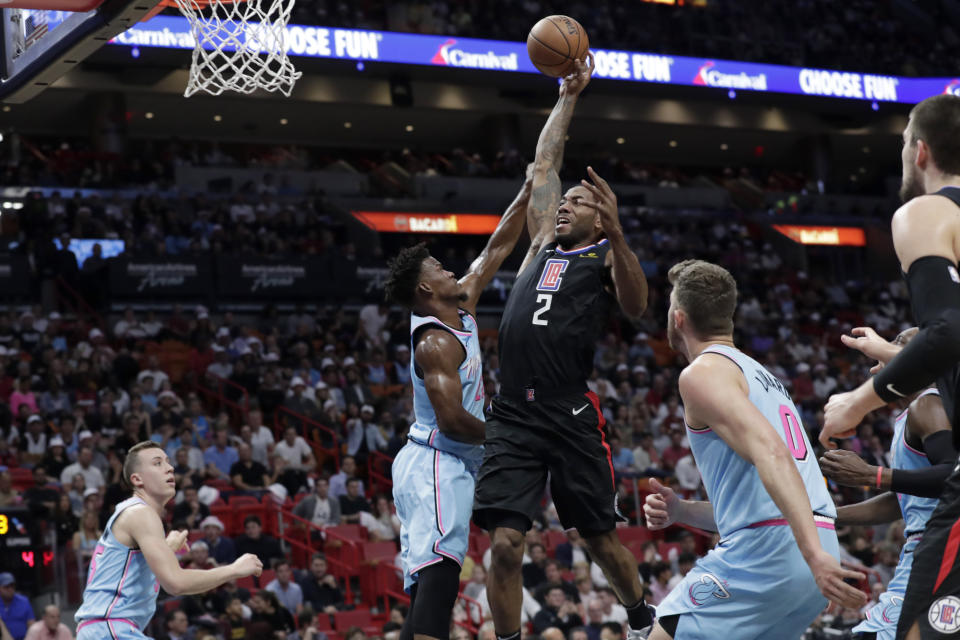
<point x="830" y="236"/>
<point x="347" y="125"/>
<point x="620" y="140"/>
<point x="148" y="115"/>
<point x="673" y="143"/>
<point x="866" y="149"/>
<point x="724" y="146"/>
<point x="284" y="121"/>
<point x="407" y="222"/>
<point x="217" y="118"/>
<point x="409" y="128"/>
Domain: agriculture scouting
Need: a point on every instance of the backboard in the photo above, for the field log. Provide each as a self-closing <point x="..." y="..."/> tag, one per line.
<point x="38" y="46"/>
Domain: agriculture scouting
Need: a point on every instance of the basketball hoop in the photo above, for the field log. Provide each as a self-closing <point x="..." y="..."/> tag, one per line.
<point x="241" y="45"/>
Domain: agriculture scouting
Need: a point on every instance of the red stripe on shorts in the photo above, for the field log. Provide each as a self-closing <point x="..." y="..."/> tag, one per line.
<point x="949" y="555"/>
<point x="601" y="422"/>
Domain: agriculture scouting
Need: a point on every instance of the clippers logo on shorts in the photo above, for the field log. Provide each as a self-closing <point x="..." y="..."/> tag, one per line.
<point x="552" y="274"/>
<point x="943" y="615"/>
<point x="706" y="588"/>
<point x="953" y="274"/>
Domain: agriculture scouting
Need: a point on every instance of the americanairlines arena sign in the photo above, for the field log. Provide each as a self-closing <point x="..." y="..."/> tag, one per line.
<point x="173" y="32"/>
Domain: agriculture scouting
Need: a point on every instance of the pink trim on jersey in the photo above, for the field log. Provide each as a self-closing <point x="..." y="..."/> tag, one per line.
<point x="108" y="621"/>
<point x="437" y="550"/>
<point x="126" y="570"/>
<point x="692" y="430"/>
<point x="428" y="563"/>
<point x="436" y="490"/>
<point x="820" y="521"/>
<point x="433" y="434"/>
<point x="904" y="436"/>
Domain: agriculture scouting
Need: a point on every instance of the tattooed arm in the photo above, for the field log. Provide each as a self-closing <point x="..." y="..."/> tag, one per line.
<point x="545" y="197"/>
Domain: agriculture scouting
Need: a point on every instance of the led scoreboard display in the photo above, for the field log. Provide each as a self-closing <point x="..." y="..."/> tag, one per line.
<point x="22" y="550"/>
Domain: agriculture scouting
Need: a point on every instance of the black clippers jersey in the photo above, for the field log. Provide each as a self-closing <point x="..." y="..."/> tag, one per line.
<point x="949" y="383"/>
<point x="555" y="313"/>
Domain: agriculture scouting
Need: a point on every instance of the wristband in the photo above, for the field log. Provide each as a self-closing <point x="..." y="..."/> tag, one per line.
<point x="879" y="476"/>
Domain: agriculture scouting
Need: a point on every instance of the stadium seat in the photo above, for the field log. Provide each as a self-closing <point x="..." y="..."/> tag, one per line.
<point x="20" y="478"/>
<point x="349" y="531"/>
<point x="343" y="620"/>
<point x="246" y="583"/>
<point x="378" y="551"/>
<point x="553" y="538"/>
<point x="266" y="578"/>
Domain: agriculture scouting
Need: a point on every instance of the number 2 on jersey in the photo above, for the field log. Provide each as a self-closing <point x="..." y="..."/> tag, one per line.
<point x="794" y="433"/>
<point x="547" y="300"/>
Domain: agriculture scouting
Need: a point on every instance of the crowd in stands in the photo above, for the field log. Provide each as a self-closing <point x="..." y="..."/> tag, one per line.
<point x="73" y="400"/>
<point x="854" y="36"/>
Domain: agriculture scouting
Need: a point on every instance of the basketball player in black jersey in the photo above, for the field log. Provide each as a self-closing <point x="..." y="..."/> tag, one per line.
<point x="926" y="237"/>
<point x="544" y="419"/>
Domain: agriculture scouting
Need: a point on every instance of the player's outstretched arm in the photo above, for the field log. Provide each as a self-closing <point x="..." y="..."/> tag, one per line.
<point x="629" y="281"/>
<point x="663" y="507"/>
<point x="545" y="197"/>
<point x="924" y="236"/>
<point x="499" y="246"/>
<point x="877" y="510"/>
<point x="142" y="525"/>
<point x="439" y="356"/>
<point x="715" y="393"/>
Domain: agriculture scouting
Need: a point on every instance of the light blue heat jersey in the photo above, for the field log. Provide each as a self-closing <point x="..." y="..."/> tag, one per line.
<point x="738" y="496"/>
<point x="433" y="475"/>
<point x="882" y="618"/>
<point x="121" y="588"/>
<point x="916" y="511"/>
<point x="424" y="430"/>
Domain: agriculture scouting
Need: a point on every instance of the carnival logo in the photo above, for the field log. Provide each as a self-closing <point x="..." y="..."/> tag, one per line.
<point x="709" y="76"/>
<point x="450" y="56"/>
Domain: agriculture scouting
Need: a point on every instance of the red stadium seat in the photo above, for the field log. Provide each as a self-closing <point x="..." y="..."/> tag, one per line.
<point x="634" y="534"/>
<point x="378" y="551"/>
<point x="349" y="531"/>
<point x="246" y="583"/>
<point x="343" y="620"/>
<point x="266" y="577"/>
<point x="553" y="538"/>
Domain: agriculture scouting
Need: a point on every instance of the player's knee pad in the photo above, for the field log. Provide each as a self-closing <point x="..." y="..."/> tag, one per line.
<point x="437" y="588"/>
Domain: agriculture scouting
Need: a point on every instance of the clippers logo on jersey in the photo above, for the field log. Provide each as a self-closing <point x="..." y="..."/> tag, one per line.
<point x="942" y="615"/>
<point x="552" y="274"/>
<point x="708" y="585"/>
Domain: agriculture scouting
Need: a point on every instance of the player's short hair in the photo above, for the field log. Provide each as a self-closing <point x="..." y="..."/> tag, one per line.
<point x="707" y="293"/>
<point x="936" y="121"/>
<point x="132" y="461"/>
<point x="401" y="285"/>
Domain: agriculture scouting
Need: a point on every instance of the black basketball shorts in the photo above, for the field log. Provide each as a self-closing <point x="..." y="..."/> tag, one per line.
<point x="933" y="592"/>
<point x="562" y="436"/>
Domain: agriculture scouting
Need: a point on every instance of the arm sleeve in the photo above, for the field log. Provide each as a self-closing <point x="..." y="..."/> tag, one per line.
<point x="935" y="297"/>
<point x="928" y="482"/>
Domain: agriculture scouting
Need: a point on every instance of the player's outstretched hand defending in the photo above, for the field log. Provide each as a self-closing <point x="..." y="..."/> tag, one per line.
<point x="248" y="565"/>
<point x="661" y="507"/>
<point x="830" y="578"/>
<point x="577" y="81"/>
<point x="604" y="202"/>
<point x="866" y="341"/>
<point x="177" y="541"/>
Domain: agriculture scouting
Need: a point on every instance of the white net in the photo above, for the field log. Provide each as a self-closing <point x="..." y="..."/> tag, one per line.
<point x="240" y="46"/>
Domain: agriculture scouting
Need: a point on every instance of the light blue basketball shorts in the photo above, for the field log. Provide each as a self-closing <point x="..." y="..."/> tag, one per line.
<point x="882" y="617"/>
<point x="433" y="493"/>
<point x="754" y="586"/>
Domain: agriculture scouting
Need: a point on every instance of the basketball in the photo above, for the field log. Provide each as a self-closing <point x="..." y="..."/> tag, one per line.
<point x="554" y="43"/>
